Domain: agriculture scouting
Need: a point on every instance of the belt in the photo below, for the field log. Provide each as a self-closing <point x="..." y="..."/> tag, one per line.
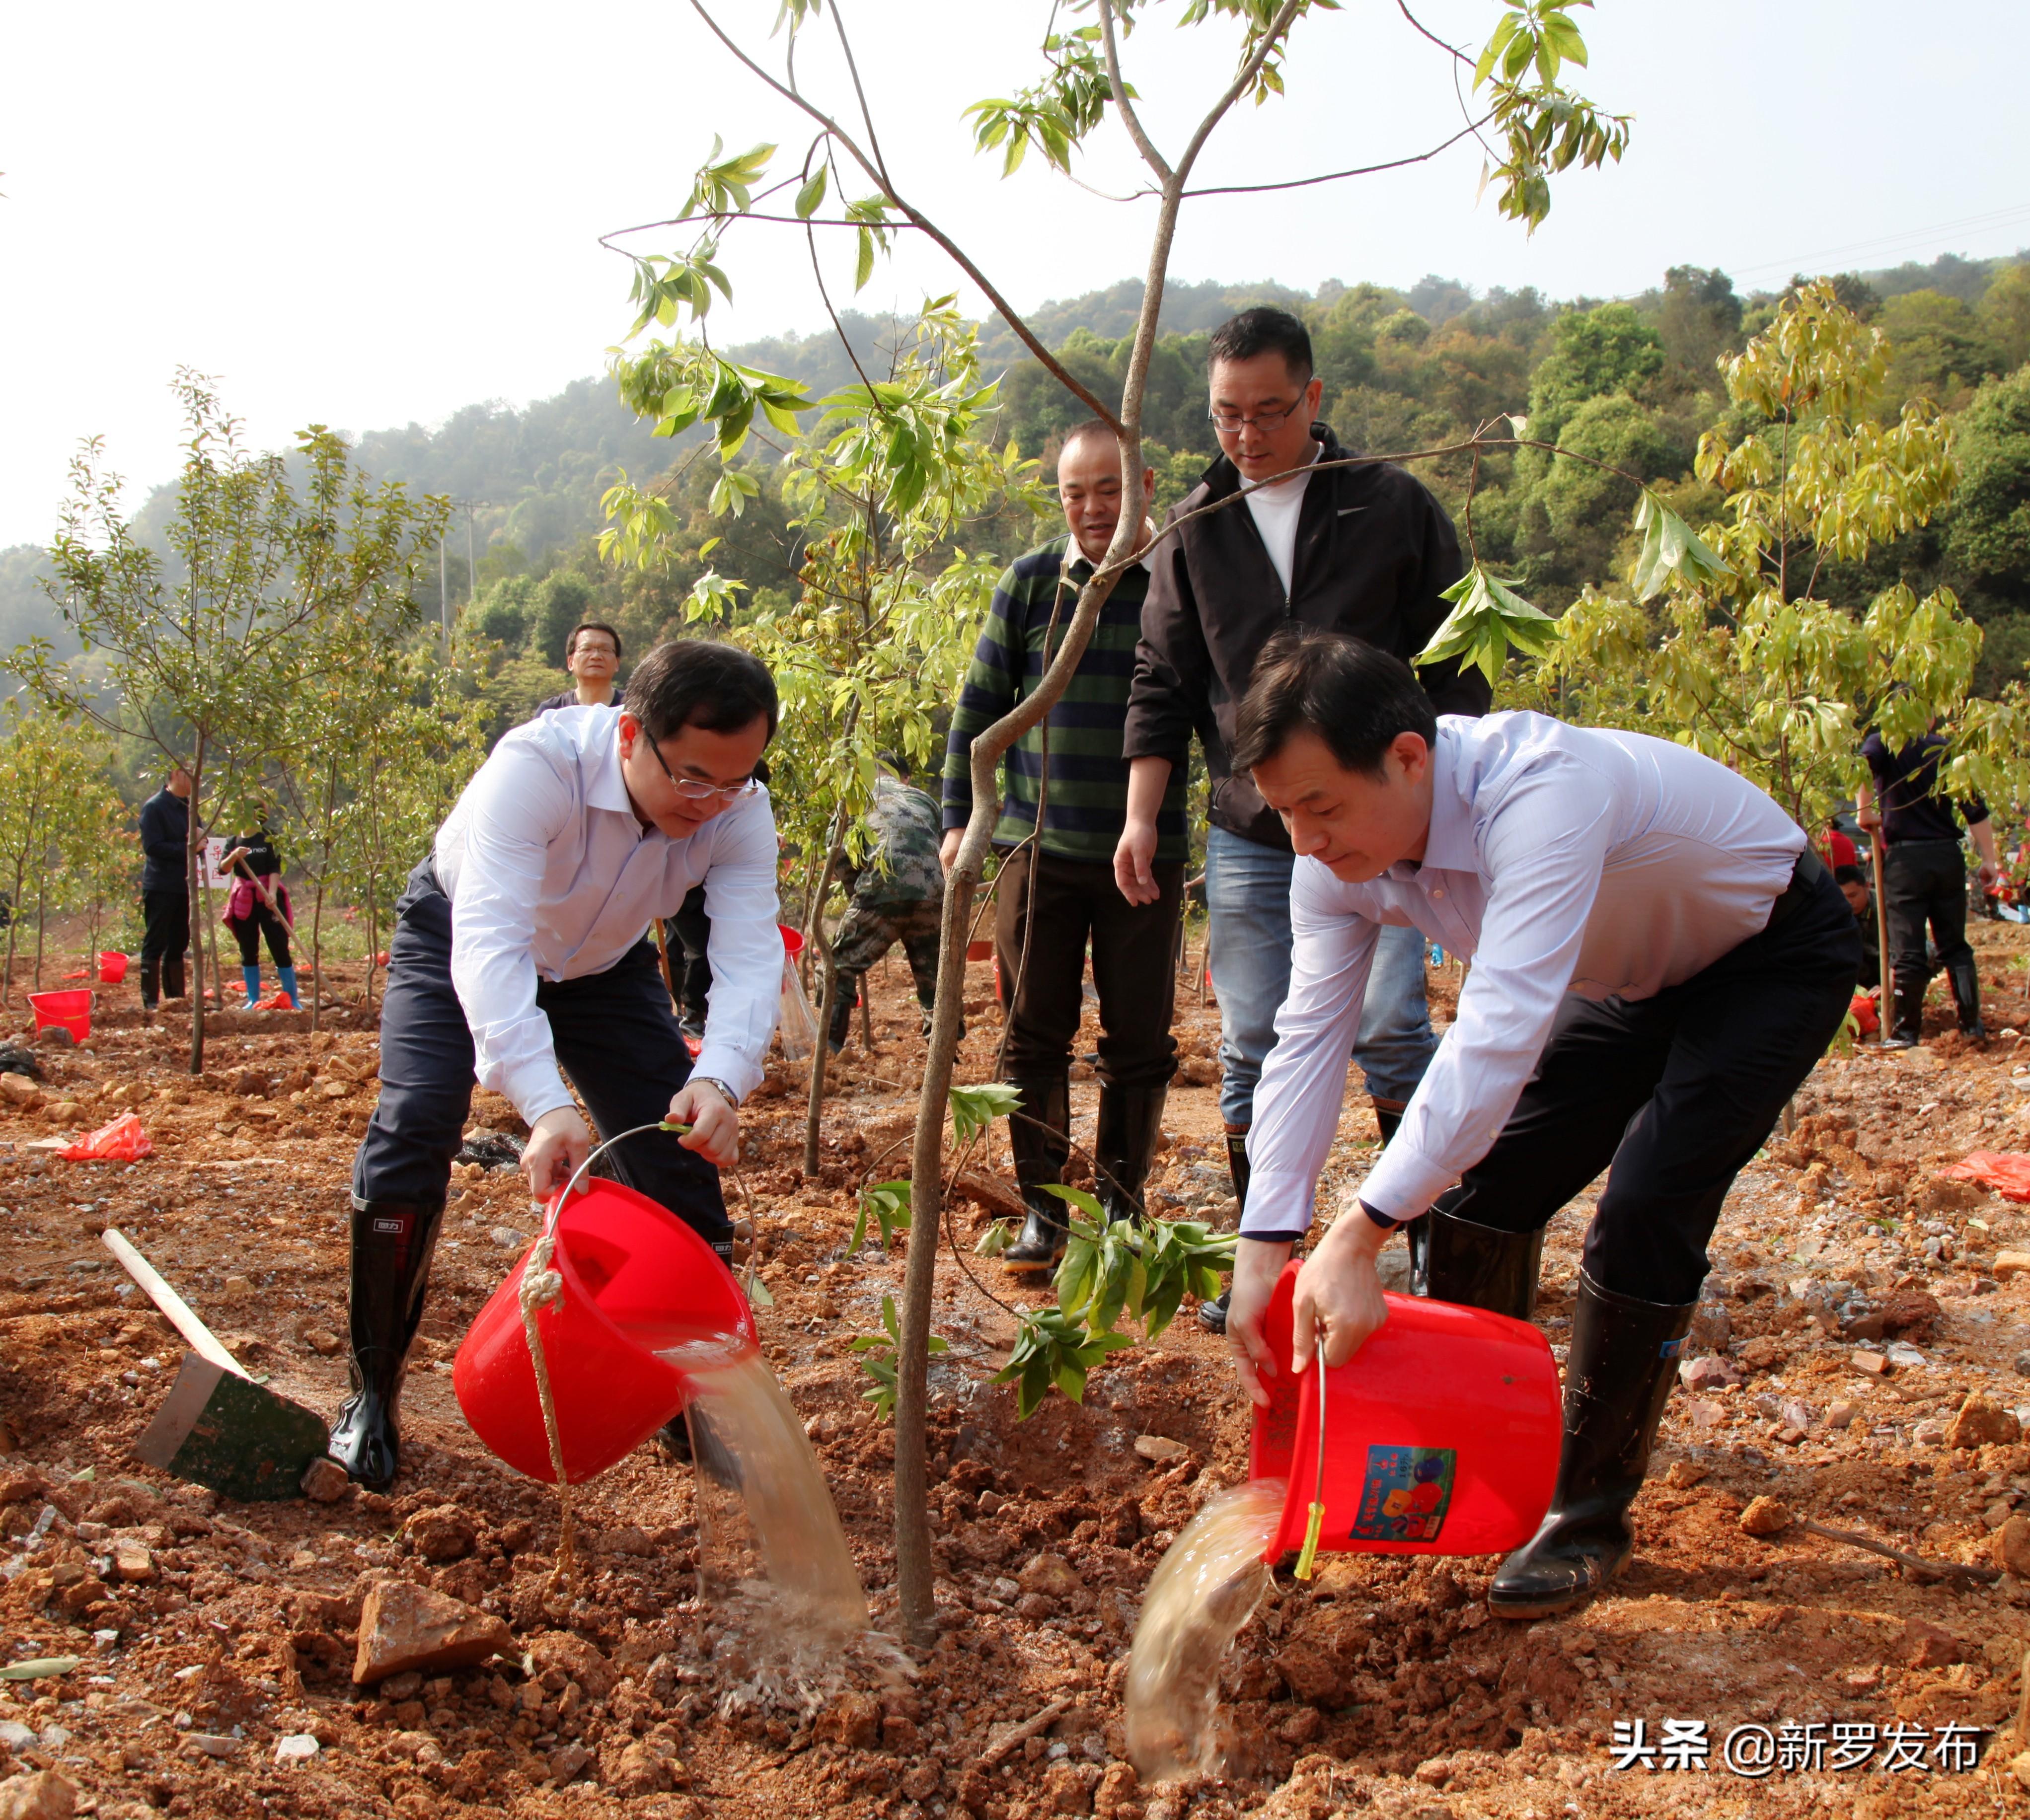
<point x="1805" y="878"/>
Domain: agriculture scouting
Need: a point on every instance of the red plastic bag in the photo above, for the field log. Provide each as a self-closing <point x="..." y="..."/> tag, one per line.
<point x="2006" y="1172"/>
<point x="1866" y="1018"/>
<point x="121" y="1142"/>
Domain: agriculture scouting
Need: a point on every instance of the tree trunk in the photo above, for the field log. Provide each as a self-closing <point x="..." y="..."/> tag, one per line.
<point x="316" y="954"/>
<point x="190" y="877"/>
<point x="42" y="901"/>
<point x="828" y="1000"/>
<point x="13" y="929"/>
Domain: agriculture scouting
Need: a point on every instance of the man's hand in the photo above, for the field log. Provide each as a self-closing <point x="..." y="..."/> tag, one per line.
<point x="1257" y="1264"/>
<point x="558" y="1143"/>
<point x="714" y="1125"/>
<point x="1132" y="860"/>
<point x="1991" y="875"/>
<point x="948" y="848"/>
<point x="1868" y="816"/>
<point x="1338" y="1294"/>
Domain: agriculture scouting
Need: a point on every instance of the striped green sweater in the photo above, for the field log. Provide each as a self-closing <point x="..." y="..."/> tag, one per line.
<point x="1087" y="800"/>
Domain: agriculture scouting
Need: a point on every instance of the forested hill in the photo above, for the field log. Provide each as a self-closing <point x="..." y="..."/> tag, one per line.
<point x="1400" y="366"/>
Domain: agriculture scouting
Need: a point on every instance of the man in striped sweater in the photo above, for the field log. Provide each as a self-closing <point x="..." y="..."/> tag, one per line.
<point x="1056" y="886"/>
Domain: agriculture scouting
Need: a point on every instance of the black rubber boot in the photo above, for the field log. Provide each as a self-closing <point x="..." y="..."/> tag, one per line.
<point x="1963" y="977"/>
<point x="1460" y="1260"/>
<point x="173" y="976"/>
<point x="1039" y="1133"/>
<point x="1212" y="1315"/>
<point x="392" y="1243"/>
<point x="151" y="983"/>
<point x="1908" y="1028"/>
<point x="841" y="1011"/>
<point x="1131" y="1120"/>
<point x="1624" y="1354"/>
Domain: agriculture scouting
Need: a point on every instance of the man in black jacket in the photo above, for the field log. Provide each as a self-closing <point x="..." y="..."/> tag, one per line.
<point x="165" y="888"/>
<point x="1364" y="549"/>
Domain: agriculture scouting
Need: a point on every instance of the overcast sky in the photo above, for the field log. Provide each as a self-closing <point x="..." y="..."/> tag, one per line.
<point x="374" y="213"/>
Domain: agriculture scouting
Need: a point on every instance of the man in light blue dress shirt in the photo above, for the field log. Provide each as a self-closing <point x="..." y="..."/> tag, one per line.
<point x="1658" y="960"/>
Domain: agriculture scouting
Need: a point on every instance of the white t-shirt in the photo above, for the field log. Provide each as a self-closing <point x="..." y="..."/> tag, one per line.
<point x="1276" y="509"/>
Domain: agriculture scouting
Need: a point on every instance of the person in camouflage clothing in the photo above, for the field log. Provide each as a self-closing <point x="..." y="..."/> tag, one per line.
<point x="898" y="895"/>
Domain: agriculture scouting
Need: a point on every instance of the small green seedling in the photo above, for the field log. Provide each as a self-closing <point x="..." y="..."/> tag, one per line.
<point x="877" y="1358"/>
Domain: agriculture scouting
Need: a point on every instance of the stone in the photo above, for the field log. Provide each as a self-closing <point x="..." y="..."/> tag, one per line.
<point x="1982" y="1422"/>
<point x="922" y="1780"/>
<point x="20" y="1487"/>
<point x="131" y="1562"/>
<point x="576" y="1659"/>
<point x="1068" y="1788"/>
<point x="1118" y="1787"/>
<point x="1302" y="1727"/>
<point x="1912" y="1315"/>
<point x="2010" y="1545"/>
<point x="323" y="1341"/>
<point x="297" y="1747"/>
<point x="640" y="1771"/>
<point x="1931" y="1647"/>
<point x="1929" y="1433"/>
<point x="1050" y="1575"/>
<point x="2019" y="1766"/>
<point x="443" y="1532"/>
<point x="1874" y="1363"/>
<point x="1842" y="1414"/>
<point x="1708" y="1373"/>
<point x="2008" y="1264"/>
<point x="1765" y="1515"/>
<point x="853" y="1720"/>
<point x="1160" y="1449"/>
<point x="403" y="1626"/>
<point x="219" y="1745"/>
<point x="42" y="1794"/>
<point x="630" y="1539"/>
<point x="19" y="1090"/>
<point x="402" y="1687"/>
<point x="1683" y="1475"/>
<point x="326" y="1481"/>
<point x="567" y="1762"/>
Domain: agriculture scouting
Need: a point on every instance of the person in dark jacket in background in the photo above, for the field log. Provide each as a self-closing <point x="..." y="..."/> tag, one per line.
<point x="1854" y="887"/>
<point x="592" y="655"/>
<point x="1365" y="550"/>
<point x="1925" y="879"/>
<point x="165" y="888"/>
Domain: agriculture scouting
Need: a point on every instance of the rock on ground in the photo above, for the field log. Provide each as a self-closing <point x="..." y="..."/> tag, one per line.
<point x="403" y="1626"/>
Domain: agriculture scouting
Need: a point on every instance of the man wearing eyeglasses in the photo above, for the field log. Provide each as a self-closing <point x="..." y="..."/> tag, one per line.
<point x="520" y="957"/>
<point x="592" y="655"/>
<point x="1362" y="549"/>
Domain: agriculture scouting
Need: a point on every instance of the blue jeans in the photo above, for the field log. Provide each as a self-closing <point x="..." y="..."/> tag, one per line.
<point x="1248" y="891"/>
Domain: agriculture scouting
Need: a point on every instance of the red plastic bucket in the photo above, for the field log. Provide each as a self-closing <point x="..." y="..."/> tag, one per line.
<point x="1441" y="1434"/>
<point x="73" y="1010"/>
<point x="981" y="950"/>
<point x="636" y="1278"/>
<point x="793" y="939"/>
<point x="112" y="968"/>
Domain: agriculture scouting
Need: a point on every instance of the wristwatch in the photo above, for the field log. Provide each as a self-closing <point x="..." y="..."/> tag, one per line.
<point x="725" y="1092"/>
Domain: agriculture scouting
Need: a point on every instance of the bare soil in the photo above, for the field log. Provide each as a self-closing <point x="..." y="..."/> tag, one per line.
<point x="1383" y="1686"/>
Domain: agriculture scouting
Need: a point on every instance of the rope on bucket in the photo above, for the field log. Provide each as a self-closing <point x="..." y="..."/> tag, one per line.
<point x="1314" y="1523"/>
<point x="542" y="1286"/>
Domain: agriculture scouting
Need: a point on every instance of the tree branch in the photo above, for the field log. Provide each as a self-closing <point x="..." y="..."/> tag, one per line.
<point x="1285" y="16"/>
<point x="1123" y="105"/>
<point x="1471" y="128"/>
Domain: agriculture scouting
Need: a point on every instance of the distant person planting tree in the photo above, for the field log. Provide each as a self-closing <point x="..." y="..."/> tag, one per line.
<point x="592" y="655"/>
<point x="1364" y="550"/>
<point x="1058" y="891"/>
<point x="1924" y="879"/>
<point x="518" y="957"/>
<point x="259" y="907"/>
<point x="165" y="888"/>
<point x="1854" y="887"/>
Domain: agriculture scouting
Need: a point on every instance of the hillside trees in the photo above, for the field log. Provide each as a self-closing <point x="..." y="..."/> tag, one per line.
<point x="1536" y="125"/>
<point x="201" y="655"/>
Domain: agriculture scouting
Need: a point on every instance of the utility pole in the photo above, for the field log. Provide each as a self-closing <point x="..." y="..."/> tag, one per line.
<point x="444" y="592"/>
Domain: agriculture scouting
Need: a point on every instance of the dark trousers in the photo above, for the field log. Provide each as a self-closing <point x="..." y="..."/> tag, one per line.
<point x="165" y="935"/>
<point x="1070" y="901"/>
<point x="616" y="1037"/>
<point x="248" y="931"/>
<point x="688" y="935"/>
<point x="1676" y="1092"/>
<point x="1925" y="882"/>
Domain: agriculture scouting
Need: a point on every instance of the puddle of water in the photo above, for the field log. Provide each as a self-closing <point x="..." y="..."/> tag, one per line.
<point x="1203" y="1590"/>
<point x="770" y="1549"/>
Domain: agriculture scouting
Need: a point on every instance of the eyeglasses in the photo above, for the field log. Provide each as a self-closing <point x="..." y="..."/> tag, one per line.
<point x="691" y="790"/>
<point x="1228" y="422"/>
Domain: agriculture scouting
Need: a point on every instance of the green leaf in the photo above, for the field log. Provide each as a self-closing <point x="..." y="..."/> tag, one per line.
<point x="40" y="1668"/>
<point x="1487" y="617"/>
<point x="812" y="196"/>
<point x="760" y="1294"/>
<point x="1670" y="546"/>
<point x="973" y="1108"/>
<point x="863" y="266"/>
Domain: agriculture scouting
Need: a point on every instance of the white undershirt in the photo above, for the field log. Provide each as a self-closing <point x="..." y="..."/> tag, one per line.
<point x="1277" y="509"/>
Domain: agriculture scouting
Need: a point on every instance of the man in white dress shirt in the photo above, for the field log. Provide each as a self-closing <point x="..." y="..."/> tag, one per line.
<point x="520" y="955"/>
<point x="1658" y="958"/>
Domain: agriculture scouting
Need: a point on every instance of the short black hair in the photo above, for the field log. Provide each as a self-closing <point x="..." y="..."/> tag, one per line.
<point x="701" y="682"/>
<point x="1354" y="695"/>
<point x="1264" y="330"/>
<point x="1848" y="875"/>
<point x="1088" y="429"/>
<point x="570" y="638"/>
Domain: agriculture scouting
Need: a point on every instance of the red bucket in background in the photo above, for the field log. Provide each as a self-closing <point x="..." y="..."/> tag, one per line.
<point x="1441" y="1433"/>
<point x="637" y="1279"/>
<point x="112" y="968"/>
<point x="793" y="941"/>
<point x="71" y="1010"/>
